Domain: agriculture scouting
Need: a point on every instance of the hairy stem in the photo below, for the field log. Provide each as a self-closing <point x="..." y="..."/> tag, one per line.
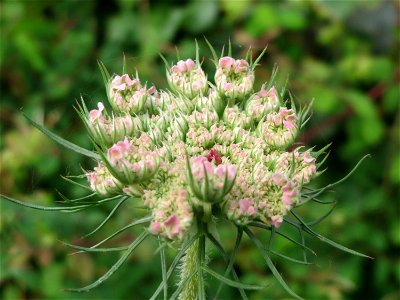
<point x="188" y="267"/>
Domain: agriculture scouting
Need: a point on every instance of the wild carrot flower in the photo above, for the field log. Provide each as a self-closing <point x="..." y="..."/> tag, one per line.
<point x="197" y="154"/>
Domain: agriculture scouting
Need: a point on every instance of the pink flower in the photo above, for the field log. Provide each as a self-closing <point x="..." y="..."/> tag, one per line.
<point x="228" y="86"/>
<point x="278" y="179"/>
<point x="224" y="169"/>
<point x="241" y="65"/>
<point x="289" y="124"/>
<point x="308" y="158"/>
<point x="190" y="65"/>
<point x="155" y="227"/>
<point x="172" y="225"/>
<point x="200" y="165"/>
<point x="272" y="93"/>
<point x="226" y="62"/>
<point x="287" y="200"/>
<point x="115" y="153"/>
<point x="124" y="145"/>
<point x="276" y="221"/>
<point x="96" y="114"/>
<point x="151" y="90"/>
<point x="245" y="205"/>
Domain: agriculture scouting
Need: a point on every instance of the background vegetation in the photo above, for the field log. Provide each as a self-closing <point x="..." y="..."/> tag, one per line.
<point x="344" y="54"/>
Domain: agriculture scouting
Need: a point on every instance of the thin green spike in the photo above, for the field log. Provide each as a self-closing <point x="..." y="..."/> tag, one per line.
<point x="62" y="141"/>
<point x="254" y="65"/>
<point x="260" y="225"/>
<point x="214" y="55"/>
<point x="229" y="48"/>
<point x="303" y="242"/>
<point x="88" y="249"/>
<point x="76" y="183"/>
<point x="164" y="272"/>
<point x="107" y="218"/>
<point x="322" y="238"/>
<point x="302" y="262"/>
<point x="231" y="261"/>
<point x="134" y="223"/>
<point x="321" y="190"/>
<point x="178" y="57"/>
<point x="269" y="262"/>
<point x="231" y="282"/>
<point x="45" y="208"/>
<point x="123" y="64"/>
<point x="319" y="220"/>
<point x="116" y="266"/>
<point x="272" y="79"/>
<point x="197" y="54"/>
<point x="223" y="51"/>
<point x="167" y="66"/>
<point x="77" y="199"/>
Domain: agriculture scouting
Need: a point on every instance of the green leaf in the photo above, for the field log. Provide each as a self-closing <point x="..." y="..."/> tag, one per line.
<point x="116" y="266"/>
<point x="270" y="263"/>
<point x="231" y="282"/>
<point x="62" y="141"/>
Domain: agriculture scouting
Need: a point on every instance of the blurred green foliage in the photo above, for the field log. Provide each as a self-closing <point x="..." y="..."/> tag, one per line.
<point x="342" y="54"/>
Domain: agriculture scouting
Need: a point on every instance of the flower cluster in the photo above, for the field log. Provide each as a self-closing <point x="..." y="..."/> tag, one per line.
<point x="192" y="156"/>
<point x="201" y="148"/>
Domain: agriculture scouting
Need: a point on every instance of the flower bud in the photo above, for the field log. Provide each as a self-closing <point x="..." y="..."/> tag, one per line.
<point x="102" y="182"/>
<point x="279" y="129"/>
<point x="262" y="103"/>
<point x="234" y="117"/>
<point x="203" y="117"/>
<point x="187" y="78"/>
<point x="210" y="182"/>
<point x="301" y="165"/>
<point x="234" y="78"/>
<point x="107" y="130"/>
<point x="132" y="164"/>
<point x="127" y="95"/>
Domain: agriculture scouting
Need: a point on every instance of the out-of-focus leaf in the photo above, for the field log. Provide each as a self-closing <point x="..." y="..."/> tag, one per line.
<point x="199" y="16"/>
<point x="263" y="19"/>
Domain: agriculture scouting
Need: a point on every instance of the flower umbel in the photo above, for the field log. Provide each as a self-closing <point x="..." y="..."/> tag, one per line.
<point x="198" y="155"/>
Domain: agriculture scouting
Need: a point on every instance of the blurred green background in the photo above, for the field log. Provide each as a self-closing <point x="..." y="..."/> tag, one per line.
<point x="344" y="54"/>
